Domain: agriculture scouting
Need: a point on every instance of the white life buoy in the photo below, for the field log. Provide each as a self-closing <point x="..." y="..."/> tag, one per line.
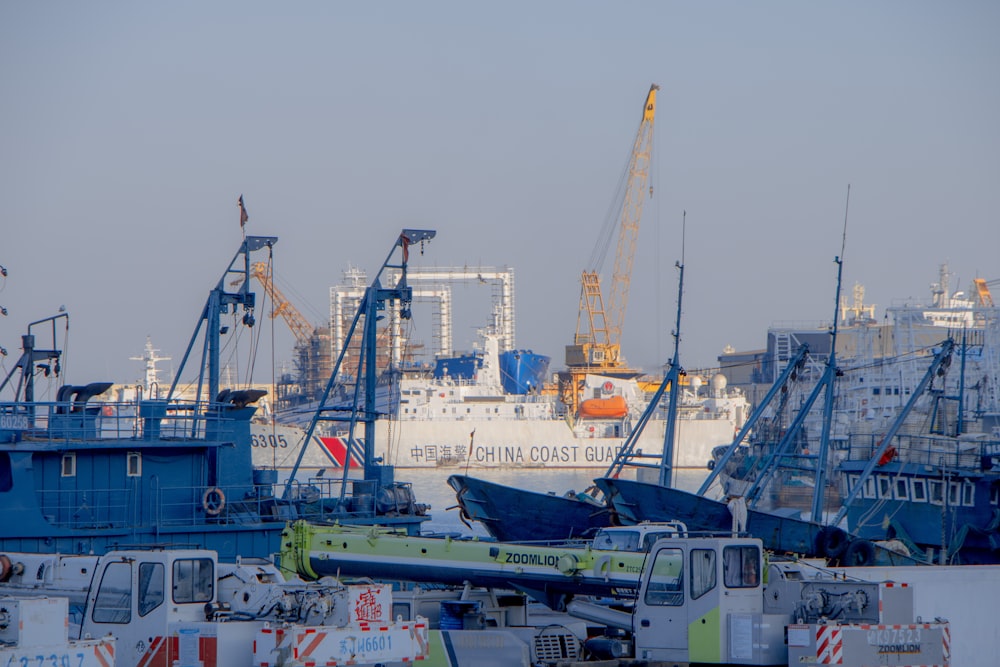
<point x="213" y="501"/>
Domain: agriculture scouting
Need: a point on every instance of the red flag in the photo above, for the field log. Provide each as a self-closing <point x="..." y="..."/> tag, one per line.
<point x="405" y="242"/>
<point x="243" y="213"/>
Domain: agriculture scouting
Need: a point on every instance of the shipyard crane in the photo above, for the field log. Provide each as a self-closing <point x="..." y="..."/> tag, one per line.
<point x="298" y="324"/>
<point x="312" y="344"/>
<point x="983" y="296"/>
<point x="596" y="346"/>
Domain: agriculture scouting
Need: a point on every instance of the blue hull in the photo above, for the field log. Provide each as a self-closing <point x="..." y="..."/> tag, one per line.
<point x="516" y="515"/>
<point x="638" y="501"/>
<point x="955" y="516"/>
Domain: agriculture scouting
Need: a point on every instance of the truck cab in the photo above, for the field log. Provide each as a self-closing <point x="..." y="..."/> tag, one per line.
<point x="136" y="596"/>
<point x="701" y="600"/>
<point x="640" y="537"/>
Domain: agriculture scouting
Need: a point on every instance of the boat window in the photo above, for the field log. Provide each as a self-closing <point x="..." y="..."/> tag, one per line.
<point x="919" y="491"/>
<point x="902" y="490"/>
<point x="884" y="487"/>
<point x="741" y="566"/>
<point x="114" y="597"/>
<point x="953" y="494"/>
<point x="703" y="576"/>
<point x="151" y="583"/>
<point x="937" y="491"/>
<point x="968" y="493"/>
<point x="6" y="474"/>
<point x="869" y="491"/>
<point x="852" y="481"/>
<point x="69" y="465"/>
<point x="134" y="464"/>
<point x="666" y="586"/>
<point x="194" y="580"/>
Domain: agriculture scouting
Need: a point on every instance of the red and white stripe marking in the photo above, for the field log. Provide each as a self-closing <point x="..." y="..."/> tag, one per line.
<point x="829" y="645"/>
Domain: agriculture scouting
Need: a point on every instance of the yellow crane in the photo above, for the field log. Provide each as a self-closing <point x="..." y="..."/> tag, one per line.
<point x="596" y="345"/>
<point x="312" y="344"/>
<point x="300" y="327"/>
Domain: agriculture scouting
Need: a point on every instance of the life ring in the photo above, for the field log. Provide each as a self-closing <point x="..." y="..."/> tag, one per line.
<point x="108" y="411"/>
<point x="608" y="387"/>
<point x="5" y="568"/>
<point x="859" y="554"/>
<point x="213" y="501"/>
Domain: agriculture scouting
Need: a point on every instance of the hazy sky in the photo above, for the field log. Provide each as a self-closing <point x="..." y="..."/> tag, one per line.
<point x="128" y="130"/>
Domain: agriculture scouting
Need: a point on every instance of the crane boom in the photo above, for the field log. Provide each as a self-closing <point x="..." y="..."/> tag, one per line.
<point x="638" y="176"/>
<point x="301" y="329"/>
<point x="596" y="346"/>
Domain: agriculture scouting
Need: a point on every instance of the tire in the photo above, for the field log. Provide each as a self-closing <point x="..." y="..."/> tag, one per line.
<point x="859" y="554"/>
<point x="831" y="542"/>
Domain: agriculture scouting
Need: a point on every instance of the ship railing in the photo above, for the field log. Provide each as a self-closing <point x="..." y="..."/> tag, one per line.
<point x="134" y="506"/>
<point x="63" y="422"/>
<point x="960" y="453"/>
<point x="332" y="499"/>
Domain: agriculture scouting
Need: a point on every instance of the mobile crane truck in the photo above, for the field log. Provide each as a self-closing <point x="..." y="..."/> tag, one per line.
<point x="694" y="600"/>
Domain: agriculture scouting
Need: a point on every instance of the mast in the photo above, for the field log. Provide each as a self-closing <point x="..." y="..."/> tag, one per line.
<point x="364" y="408"/>
<point x="674" y="376"/>
<point x="829" y="377"/>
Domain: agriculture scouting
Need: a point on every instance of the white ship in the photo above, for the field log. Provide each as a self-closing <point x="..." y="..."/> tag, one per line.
<point x="474" y="424"/>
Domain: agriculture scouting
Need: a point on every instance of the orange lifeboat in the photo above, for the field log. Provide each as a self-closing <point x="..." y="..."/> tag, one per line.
<point x="604" y="408"/>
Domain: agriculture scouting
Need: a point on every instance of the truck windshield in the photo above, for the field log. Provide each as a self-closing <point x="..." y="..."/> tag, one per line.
<point x="666" y="579"/>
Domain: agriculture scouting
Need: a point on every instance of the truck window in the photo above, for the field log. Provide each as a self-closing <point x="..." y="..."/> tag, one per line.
<point x="150" y="587"/>
<point x="666" y="587"/>
<point x="617" y="540"/>
<point x="741" y="566"/>
<point x="194" y="580"/>
<point x="114" y="597"/>
<point x="703" y="577"/>
<point x="650" y="539"/>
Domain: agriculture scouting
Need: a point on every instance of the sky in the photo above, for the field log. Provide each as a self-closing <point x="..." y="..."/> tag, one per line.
<point x="129" y="130"/>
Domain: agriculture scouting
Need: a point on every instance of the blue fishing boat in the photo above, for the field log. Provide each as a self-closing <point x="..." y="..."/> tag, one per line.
<point x="511" y="514"/>
<point x="934" y="488"/>
<point x="79" y="475"/>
